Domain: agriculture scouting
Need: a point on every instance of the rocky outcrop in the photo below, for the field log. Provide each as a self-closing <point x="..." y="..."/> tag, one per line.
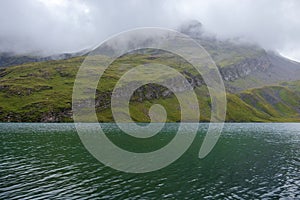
<point x="32" y="115"/>
<point x="193" y="28"/>
<point x="149" y="91"/>
<point x="156" y="91"/>
<point x="244" y="68"/>
<point x="62" y="115"/>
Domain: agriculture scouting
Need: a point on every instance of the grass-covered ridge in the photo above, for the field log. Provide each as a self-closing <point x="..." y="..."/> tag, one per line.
<point x="42" y="91"/>
<point x="32" y="91"/>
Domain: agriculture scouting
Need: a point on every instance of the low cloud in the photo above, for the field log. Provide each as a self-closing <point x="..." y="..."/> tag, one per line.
<point x="48" y="27"/>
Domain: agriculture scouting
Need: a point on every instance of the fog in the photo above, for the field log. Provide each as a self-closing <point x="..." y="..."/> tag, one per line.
<point x="51" y="27"/>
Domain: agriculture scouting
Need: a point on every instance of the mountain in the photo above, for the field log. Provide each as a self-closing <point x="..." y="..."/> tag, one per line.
<point x="10" y="59"/>
<point x="261" y="86"/>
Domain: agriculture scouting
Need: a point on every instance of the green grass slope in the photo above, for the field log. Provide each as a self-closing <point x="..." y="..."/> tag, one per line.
<point x="35" y="91"/>
<point x="42" y="92"/>
<point x="279" y="103"/>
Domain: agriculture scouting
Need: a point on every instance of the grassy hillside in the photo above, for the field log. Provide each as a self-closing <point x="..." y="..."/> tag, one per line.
<point x="280" y="103"/>
<point x="32" y="91"/>
<point x="42" y="91"/>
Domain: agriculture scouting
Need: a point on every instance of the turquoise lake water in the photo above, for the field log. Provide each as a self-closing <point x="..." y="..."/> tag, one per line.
<point x="250" y="161"/>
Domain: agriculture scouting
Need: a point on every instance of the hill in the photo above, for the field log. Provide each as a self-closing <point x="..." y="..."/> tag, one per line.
<point x="42" y="92"/>
<point x="261" y="86"/>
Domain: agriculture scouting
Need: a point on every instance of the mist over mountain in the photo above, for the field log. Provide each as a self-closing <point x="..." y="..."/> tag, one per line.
<point x="42" y="27"/>
<point x="10" y="58"/>
<point x="261" y="85"/>
<point x="235" y="59"/>
<point x="239" y="60"/>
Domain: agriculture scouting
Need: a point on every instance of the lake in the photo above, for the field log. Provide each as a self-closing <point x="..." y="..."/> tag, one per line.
<point x="250" y="160"/>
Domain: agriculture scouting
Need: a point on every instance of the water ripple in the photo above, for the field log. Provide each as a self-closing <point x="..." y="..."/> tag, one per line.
<point x="250" y="161"/>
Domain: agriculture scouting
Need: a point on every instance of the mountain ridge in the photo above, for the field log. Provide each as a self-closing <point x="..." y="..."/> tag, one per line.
<point x="261" y="86"/>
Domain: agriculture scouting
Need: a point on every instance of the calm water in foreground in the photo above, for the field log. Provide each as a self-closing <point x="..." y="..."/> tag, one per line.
<point x="48" y="161"/>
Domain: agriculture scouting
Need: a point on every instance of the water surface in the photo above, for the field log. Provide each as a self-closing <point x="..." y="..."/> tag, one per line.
<point x="42" y="161"/>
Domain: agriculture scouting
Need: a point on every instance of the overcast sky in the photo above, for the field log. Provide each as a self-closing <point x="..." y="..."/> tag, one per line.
<point x="53" y="26"/>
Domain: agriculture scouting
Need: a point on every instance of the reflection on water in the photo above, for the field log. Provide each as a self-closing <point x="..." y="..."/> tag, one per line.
<point x="249" y="161"/>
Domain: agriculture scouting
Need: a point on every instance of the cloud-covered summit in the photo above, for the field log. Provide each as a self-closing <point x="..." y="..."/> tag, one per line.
<point x="50" y="27"/>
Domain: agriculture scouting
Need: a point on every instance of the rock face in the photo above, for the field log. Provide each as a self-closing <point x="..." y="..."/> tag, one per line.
<point x="192" y="28"/>
<point x="155" y="91"/>
<point x="62" y="115"/>
<point x="151" y="91"/>
<point x="245" y="68"/>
